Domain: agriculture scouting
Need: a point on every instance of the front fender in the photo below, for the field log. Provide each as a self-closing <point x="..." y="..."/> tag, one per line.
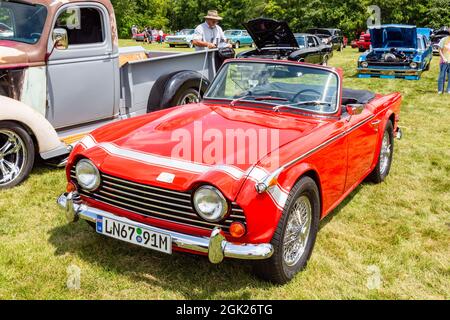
<point x="46" y="137"/>
<point x="178" y="81"/>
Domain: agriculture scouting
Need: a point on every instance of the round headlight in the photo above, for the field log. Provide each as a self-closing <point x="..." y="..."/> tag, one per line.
<point x="210" y="204"/>
<point x="88" y="176"/>
<point x="413" y="65"/>
<point x="364" y="64"/>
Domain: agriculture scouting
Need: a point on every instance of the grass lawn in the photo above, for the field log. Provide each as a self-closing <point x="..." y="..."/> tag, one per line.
<point x="397" y="232"/>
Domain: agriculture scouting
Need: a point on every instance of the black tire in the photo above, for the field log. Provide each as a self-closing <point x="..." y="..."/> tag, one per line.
<point x="275" y="269"/>
<point x="28" y="157"/>
<point x="154" y="102"/>
<point x="172" y="45"/>
<point x="380" y="173"/>
<point x="361" y="50"/>
<point x="183" y="94"/>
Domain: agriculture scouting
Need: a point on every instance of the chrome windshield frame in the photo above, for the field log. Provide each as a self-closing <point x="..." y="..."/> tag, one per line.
<point x="266" y="61"/>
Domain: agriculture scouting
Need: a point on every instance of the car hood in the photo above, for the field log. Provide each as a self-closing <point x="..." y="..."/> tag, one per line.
<point x="270" y="33"/>
<point x="393" y="36"/>
<point x="194" y="144"/>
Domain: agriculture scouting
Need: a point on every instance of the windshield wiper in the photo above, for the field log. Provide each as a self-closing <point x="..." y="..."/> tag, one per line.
<point x="256" y="98"/>
<point x="303" y="103"/>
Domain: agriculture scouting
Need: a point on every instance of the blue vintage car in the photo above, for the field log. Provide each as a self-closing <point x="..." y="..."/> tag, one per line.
<point x="238" y="38"/>
<point x="397" y="51"/>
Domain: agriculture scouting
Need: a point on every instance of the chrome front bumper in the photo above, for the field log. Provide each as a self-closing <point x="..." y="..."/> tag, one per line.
<point x="216" y="246"/>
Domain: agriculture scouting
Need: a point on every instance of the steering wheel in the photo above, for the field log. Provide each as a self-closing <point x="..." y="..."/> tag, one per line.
<point x="297" y="96"/>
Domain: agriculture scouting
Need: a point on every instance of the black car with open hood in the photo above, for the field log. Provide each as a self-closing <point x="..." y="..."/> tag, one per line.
<point x="275" y="40"/>
<point x="271" y="33"/>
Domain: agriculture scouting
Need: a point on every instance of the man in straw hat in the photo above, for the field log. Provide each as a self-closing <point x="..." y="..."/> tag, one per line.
<point x="209" y="34"/>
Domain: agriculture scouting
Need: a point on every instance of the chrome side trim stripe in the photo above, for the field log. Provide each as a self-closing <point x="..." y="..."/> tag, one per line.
<point x="326" y="143"/>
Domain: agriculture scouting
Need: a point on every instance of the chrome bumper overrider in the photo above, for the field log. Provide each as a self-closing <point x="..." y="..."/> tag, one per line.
<point x="215" y="246"/>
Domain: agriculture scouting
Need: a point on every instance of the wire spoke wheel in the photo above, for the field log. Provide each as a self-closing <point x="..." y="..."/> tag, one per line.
<point x="297" y="231"/>
<point x="13" y="156"/>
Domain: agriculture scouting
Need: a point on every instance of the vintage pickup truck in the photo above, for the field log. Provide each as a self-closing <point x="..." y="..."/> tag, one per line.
<point x="62" y="75"/>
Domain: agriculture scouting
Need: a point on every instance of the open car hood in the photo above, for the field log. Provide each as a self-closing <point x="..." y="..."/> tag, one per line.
<point x="393" y="36"/>
<point x="270" y="33"/>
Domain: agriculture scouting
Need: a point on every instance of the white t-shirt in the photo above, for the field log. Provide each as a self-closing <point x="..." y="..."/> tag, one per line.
<point x="214" y="35"/>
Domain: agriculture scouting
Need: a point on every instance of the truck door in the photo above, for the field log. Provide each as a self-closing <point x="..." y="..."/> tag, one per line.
<point x="82" y="78"/>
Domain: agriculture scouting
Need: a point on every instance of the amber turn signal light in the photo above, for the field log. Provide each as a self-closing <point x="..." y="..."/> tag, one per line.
<point x="237" y="229"/>
<point x="71" y="187"/>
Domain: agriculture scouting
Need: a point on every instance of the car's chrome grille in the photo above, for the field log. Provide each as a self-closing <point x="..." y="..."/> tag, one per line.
<point x="159" y="203"/>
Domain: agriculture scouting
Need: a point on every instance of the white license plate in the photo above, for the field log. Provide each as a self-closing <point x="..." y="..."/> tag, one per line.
<point x="132" y="234"/>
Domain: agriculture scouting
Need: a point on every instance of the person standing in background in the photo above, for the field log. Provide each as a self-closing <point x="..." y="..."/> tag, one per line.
<point x="161" y="36"/>
<point x="209" y="34"/>
<point x="134" y="31"/>
<point x="444" y="72"/>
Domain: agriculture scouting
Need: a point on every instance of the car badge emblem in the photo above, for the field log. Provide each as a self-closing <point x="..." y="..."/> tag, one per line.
<point x="166" y="177"/>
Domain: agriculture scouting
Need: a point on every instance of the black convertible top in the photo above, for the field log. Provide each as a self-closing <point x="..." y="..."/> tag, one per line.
<point x="350" y="96"/>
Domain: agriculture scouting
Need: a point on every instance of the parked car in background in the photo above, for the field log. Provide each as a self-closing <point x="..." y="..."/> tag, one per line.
<point x="437" y="36"/>
<point x="397" y="51"/>
<point x="243" y="203"/>
<point x="330" y="36"/>
<point x="363" y="44"/>
<point x="183" y="38"/>
<point x="238" y="38"/>
<point x="313" y="49"/>
<point x="43" y="113"/>
<point x="139" y="37"/>
<point x="275" y="40"/>
<point x="6" y="31"/>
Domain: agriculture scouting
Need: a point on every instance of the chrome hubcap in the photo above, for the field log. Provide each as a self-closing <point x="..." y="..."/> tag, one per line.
<point x="189" y="98"/>
<point x="297" y="231"/>
<point x="12" y="156"/>
<point x="385" y="156"/>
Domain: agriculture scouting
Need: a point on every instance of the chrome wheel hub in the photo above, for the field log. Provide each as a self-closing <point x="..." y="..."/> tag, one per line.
<point x="12" y="156"/>
<point x="189" y="98"/>
<point x="297" y="231"/>
<point x="385" y="154"/>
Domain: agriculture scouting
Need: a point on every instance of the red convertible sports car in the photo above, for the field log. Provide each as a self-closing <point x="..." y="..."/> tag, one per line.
<point x="247" y="173"/>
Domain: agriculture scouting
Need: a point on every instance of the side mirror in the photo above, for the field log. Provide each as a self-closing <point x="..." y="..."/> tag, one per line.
<point x="355" y="109"/>
<point x="60" y="39"/>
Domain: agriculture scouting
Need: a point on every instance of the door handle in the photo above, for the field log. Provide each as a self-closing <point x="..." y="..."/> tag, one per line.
<point x="375" y="124"/>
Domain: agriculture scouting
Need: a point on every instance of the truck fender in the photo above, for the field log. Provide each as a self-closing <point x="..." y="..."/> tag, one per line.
<point x="167" y="88"/>
<point x="48" y="143"/>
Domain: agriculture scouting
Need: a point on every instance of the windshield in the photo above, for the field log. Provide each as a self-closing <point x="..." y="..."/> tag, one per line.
<point x="300" y="41"/>
<point x="284" y="85"/>
<point x="320" y="32"/>
<point x="232" y="33"/>
<point x="21" y="22"/>
<point x="186" y="32"/>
